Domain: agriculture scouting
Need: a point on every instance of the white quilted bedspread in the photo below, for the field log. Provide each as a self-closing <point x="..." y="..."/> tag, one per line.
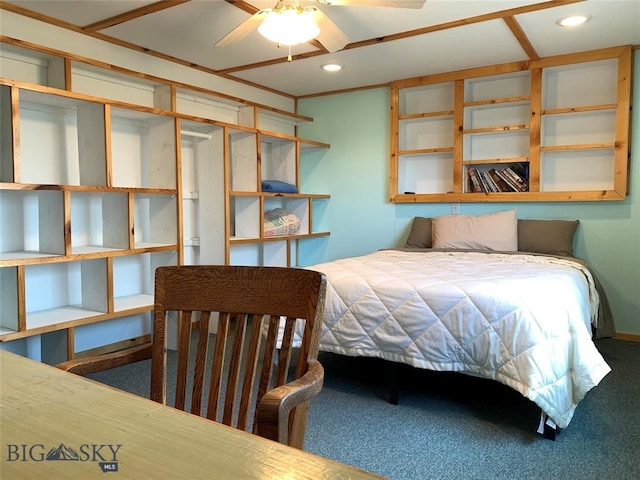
<point x="523" y="320"/>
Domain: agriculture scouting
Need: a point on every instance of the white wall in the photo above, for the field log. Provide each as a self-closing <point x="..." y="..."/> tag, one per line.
<point x="355" y="172"/>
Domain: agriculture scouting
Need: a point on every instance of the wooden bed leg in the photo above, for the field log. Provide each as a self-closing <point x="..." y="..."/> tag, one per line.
<point x="394" y="383"/>
<point x="547" y="427"/>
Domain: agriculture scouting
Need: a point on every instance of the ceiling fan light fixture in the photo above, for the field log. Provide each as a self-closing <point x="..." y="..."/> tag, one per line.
<point x="289" y="25"/>
<point x="573" y="20"/>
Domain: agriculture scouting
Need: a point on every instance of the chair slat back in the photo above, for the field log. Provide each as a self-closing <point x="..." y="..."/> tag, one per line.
<point x="224" y="373"/>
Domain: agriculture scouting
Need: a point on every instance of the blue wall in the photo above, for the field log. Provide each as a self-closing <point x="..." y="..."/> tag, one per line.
<point x="355" y="172"/>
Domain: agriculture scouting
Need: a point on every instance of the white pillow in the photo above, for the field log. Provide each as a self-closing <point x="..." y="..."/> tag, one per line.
<point x="492" y="231"/>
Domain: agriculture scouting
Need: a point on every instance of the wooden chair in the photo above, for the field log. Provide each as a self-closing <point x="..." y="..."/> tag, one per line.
<point x="251" y="384"/>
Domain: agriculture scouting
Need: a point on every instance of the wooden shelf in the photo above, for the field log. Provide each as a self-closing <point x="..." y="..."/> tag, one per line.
<point x="107" y="174"/>
<point x="574" y="141"/>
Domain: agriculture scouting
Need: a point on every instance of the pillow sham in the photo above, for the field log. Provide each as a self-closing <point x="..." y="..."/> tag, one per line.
<point x="491" y="231"/>
<point x="553" y="237"/>
<point x="420" y="234"/>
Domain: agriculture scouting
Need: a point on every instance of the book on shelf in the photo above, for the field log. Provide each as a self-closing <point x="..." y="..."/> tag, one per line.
<point x="496" y="180"/>
<point x="503" y="186"/>
<point x="488" y="181"/>
<point x="475" y="180"/>
<point x="518" y="177"/>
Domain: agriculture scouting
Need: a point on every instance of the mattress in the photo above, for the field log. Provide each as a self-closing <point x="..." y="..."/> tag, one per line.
<point x="523" y="320"/>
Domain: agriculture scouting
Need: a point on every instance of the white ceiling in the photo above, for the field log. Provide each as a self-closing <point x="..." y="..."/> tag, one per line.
<point x="461" y="34"/>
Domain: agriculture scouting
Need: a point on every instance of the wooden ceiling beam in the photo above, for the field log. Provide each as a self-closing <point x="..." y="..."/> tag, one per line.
<point x="522" y="38"/>
<point x="244" y="6"/>
<point x="133" y="14"/>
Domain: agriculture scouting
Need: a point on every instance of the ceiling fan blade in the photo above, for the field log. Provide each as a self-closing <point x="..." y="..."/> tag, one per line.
<point x="330" y="36"/>
<point x="377" y="3"/>
<point x="244" y="29"/>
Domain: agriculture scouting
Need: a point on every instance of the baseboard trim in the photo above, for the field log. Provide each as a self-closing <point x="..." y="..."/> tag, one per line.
<point x="114" y="347"/>
<point x="629" y="337"/>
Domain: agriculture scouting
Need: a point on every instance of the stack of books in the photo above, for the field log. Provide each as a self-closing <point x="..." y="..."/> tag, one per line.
<point x="513" y="178"/>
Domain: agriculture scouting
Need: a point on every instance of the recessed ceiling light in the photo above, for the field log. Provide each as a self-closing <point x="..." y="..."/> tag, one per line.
<point x="573" y="20"/>
<point x="332" y="67"/>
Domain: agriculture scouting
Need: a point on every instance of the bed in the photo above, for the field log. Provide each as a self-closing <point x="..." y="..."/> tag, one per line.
<point x="490" y="296"/>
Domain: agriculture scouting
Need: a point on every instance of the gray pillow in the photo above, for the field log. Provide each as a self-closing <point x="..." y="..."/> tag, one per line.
<point x="553" y="237"/>
<point x="420" y="234"/>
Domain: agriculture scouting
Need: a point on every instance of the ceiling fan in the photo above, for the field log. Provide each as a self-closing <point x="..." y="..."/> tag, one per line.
<point x="288" y="23"/>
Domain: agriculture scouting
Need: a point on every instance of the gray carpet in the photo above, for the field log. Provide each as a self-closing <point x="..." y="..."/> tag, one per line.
<point x="452" y="426"/>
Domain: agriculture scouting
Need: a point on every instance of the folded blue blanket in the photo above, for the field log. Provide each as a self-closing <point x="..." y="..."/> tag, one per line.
<point x="278" y="186"/>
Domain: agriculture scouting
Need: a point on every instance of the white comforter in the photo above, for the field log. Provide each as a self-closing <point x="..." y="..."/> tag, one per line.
<point x="523" y="320"/>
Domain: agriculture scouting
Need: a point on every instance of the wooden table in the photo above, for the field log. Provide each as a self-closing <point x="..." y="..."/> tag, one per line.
<point x="45" y="411"/>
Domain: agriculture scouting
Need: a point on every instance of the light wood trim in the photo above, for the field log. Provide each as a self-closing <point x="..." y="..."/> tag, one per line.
<point x="284" y="136"/>
<point x="68" y="77"/>
<point x="179" y="188"/>
<point x="506" y="128"/>
<point x="496" y="160"/>
<point x="458" y="137"/>
<point x="465" y="74"/>
<point x="424" y="151"/>
<point x="512" y="67"/>
<point x="585" y="108"/>
<point x="524" y="42"/>
<point x="581" y="146"/>
<point x="535" y="130"/>
<point x="443" y="113"/>
<point x="130" y="216"/>
<point x="628" y="337"/>
<point x="393" y="141"/>
<point x="108" y="151"/>
<point x="15" y="133"/>
<point x="113" y="347"/>
<point x="496" y="101"/>
<point x="22" y="298"/>
<point x="73" y="323"/>
<point x="622" y="155"/>
<point x="132" y="15"/>
<point x="227" y="198"/>
<point x="236" y="193"/>
<point x="85" y="188"/>
<point x="261" y="216"/>
<point x="71" y="343"/>
<point x="344" y="90"/>
<point x="263" y="239"/>
<point x="110" y="286"/>
<point x="66" y="222"/>
<point x="56" y="258"/>
<point x="546" y="196"/>
<point x="580" y="57"/>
